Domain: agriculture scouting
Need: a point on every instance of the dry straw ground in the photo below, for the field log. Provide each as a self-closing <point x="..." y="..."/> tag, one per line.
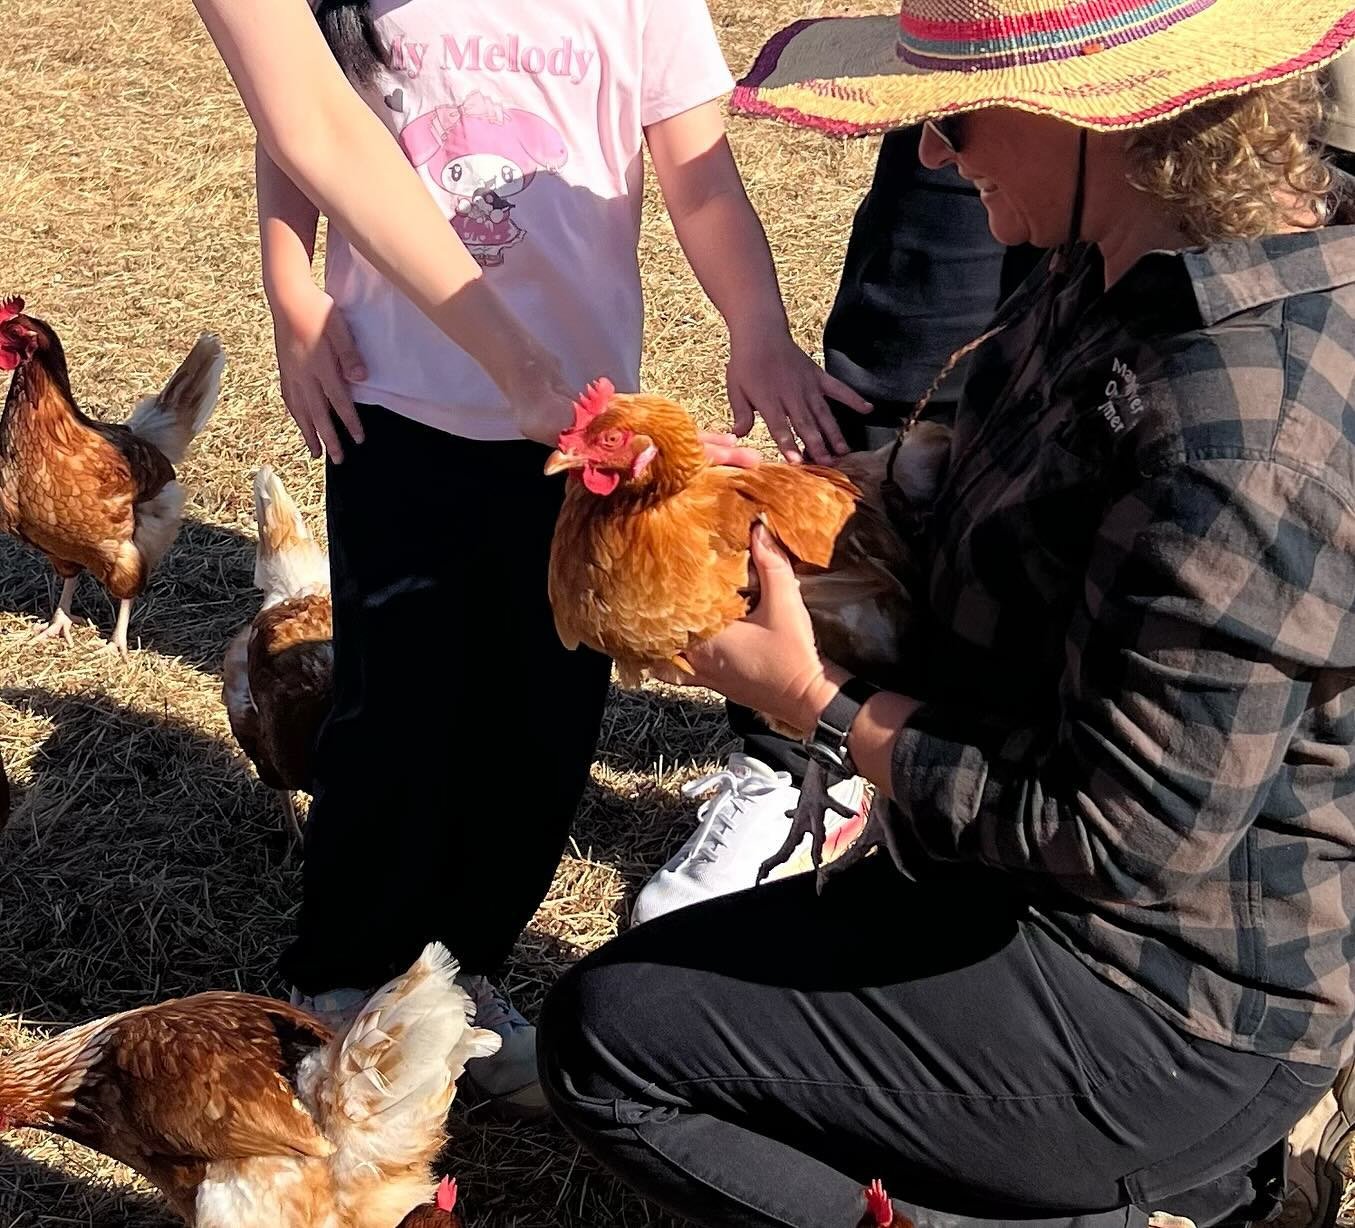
<point x="143" y="859"/>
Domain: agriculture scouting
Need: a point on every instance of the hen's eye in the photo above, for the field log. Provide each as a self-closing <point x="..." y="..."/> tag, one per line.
<point x="610" y="439"/>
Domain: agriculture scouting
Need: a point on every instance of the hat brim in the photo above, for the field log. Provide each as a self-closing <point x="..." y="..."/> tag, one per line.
<point x="843" y="75"/>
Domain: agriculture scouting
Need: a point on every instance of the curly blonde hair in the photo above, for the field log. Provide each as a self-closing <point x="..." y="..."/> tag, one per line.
<point x="1239" y="167"/>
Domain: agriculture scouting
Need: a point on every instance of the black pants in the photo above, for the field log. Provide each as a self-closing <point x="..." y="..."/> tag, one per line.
<point x="757" y="1059"/>
<point x="462" y="732"/>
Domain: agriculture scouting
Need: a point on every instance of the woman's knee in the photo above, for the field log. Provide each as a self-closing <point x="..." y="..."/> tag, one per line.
<point x="597" y="1040"/>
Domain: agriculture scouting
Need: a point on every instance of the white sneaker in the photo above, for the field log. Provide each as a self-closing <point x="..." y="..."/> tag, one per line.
<point x="743" y="824"/>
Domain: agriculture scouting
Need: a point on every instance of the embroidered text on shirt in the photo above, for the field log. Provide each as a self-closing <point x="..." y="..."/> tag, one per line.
<point x="1125" y="389"/>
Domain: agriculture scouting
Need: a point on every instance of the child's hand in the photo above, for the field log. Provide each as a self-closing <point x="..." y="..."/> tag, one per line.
<point x="723" y="449"/>
<point x="770" y="375"/>
<point x="316" y="360"/>
<point x="541" y="400"/>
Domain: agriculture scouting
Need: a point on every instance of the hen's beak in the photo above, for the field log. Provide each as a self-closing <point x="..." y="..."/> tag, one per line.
<point x="558" y="462"/>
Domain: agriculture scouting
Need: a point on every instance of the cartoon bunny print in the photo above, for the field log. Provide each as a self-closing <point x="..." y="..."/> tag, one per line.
<point x="484" y="155"/>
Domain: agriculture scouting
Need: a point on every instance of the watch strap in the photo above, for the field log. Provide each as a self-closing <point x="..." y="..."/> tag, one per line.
<point x="828" y="742"/>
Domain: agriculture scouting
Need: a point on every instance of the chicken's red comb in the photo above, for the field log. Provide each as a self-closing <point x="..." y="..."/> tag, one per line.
<point x="596" y="397"/>
<point x="11" y="307"/>
<point x="447" y="1194"/>
<point x="878" y="1204"/>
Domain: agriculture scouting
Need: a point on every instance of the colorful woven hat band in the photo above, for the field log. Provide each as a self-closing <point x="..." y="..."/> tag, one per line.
<point x="1010" y="39"/>
<point x="1102" y="64"/>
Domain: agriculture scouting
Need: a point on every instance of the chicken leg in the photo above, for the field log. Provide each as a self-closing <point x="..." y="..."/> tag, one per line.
<point x="289" y="805"/>
<point x="61" y="624"/>
<point x="118" y="643"/>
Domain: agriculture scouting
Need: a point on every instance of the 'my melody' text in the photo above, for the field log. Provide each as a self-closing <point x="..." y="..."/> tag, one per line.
<point x="479" y="54"/>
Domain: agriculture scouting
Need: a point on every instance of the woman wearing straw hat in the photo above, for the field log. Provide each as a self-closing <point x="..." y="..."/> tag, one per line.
<point x="1101" y="963"/>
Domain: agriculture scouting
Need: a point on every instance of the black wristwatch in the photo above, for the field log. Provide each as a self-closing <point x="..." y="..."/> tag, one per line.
<point x="828" y="743"/>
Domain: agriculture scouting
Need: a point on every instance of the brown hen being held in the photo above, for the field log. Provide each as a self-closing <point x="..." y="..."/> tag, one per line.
<point x="651" y="551"/>
<point x="246" y="1113"/>
<point x="94" y="496"/>
<point x="278" y="675"/>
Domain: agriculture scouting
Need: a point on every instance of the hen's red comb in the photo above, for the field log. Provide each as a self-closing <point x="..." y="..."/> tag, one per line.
<point x="877" y="1202"/>
<point x="11" y="307"/>
<point x="447" y="1194"/>
<point x="596" y="397"/>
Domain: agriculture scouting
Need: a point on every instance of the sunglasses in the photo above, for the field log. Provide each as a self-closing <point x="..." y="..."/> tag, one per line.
<point x="947" y="130"/>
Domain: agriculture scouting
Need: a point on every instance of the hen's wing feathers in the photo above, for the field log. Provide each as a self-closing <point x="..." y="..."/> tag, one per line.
<point x="236" y="694"/>
<point x="146" y="466"/>
<point x="854" y="566"/>
<point x="212" y="1078"/>
<point x="805" y="506"/>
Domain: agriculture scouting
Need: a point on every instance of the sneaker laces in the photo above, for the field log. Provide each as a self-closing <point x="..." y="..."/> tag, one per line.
<point x="732" y="790"/>
<point x="493" y="1010"/>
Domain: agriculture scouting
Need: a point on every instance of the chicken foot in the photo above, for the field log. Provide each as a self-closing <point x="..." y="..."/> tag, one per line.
<point x="873" y="835"/>
<point x="62" y="622"/>
<point x="808" y="818"/>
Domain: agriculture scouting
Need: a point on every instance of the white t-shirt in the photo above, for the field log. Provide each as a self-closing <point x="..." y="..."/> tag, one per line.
<point x="525" y="120"/>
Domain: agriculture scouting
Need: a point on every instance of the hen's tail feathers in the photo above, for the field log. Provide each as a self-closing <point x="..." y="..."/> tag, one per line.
<point x="173" y="417"/>
<point x="919" y="463"/>
<point x="922" y="461"/>
<point x="388" y="1082"/>
<point x="288" y="561"/>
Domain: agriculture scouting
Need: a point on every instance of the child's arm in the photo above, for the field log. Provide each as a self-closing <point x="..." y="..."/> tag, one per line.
<point x="324" y="138"/>
<point x="316" y="354"/>
<point x="727" y="248"/>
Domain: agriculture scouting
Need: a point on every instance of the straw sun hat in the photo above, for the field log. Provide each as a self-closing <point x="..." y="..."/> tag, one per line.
<point x="1102" y="64"/>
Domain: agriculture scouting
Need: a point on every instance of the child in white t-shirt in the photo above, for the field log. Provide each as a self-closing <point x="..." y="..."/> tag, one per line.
<point x="463" y="731"/>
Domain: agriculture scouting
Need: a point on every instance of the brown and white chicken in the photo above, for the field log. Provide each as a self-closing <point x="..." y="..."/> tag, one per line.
<point x="278" y="675"/>
<point x="94" y="496"/>
<point x="247" y="1113"/>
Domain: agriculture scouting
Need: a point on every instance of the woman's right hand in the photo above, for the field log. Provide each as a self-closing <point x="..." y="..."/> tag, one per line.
<point x="317" y="359"/>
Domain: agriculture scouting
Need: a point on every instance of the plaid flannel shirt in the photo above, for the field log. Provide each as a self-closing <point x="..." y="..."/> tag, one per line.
<point x="1142" y="575"/>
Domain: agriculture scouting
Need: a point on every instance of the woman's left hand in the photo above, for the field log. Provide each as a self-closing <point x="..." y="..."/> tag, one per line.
<point x="768" y="661"/>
